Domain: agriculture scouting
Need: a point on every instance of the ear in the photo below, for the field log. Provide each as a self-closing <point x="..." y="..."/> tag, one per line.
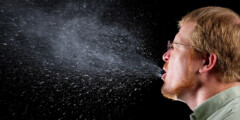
<point x="208" y="63"/>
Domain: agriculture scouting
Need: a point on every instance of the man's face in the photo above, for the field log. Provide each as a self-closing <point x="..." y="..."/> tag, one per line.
<point x="180" y="71"/>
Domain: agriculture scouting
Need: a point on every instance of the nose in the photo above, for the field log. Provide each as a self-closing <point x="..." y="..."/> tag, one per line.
<point x="166" y="56"/>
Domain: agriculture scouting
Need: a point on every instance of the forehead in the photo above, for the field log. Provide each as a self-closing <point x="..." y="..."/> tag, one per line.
<point x="184" y="33"/>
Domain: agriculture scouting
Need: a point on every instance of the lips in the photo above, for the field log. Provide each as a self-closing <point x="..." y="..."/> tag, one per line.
<point x="165" y="69"/>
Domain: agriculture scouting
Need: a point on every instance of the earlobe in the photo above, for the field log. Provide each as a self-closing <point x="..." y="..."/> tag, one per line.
<point x="208" y="63"/>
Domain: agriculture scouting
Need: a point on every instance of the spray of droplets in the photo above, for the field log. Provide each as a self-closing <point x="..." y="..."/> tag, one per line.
<point x="86" y="43"/>
<point x="69" y="62"/>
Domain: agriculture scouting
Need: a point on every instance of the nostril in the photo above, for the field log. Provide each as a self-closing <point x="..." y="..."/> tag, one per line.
<point x="166" y="56"/>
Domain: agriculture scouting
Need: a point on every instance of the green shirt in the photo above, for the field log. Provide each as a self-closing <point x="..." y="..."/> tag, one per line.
<point x="222" y="106"/>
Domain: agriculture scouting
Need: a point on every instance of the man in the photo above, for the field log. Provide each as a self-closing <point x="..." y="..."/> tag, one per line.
<point x="203" y="64"/>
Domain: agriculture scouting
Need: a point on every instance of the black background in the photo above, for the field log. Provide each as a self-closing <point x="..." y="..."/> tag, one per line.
<point x="156" y="23"/>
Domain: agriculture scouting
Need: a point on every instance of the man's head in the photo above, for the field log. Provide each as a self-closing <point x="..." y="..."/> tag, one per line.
<point x="217" y="31"/>
<point x="208" y="40"/>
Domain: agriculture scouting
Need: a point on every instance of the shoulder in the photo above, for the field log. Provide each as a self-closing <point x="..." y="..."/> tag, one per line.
<point x="230" y="111"/>
<point x="233" y="112"/>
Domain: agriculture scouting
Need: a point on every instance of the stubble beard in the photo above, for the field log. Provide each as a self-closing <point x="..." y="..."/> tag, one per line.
<point x="182" y="86"/>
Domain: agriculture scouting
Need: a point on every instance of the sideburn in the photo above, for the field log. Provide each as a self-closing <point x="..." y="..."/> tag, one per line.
<point x="195" y="54"/>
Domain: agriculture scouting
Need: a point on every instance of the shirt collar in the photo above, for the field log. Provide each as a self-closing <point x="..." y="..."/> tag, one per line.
<point x="206" y="109"/>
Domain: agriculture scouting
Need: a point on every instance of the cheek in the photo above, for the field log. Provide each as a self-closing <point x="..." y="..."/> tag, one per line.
<point x="179" y="65"/>
<point x="177" y="69"/>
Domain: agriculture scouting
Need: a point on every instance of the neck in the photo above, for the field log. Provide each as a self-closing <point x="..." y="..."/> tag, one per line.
<point x="203" y="92"/>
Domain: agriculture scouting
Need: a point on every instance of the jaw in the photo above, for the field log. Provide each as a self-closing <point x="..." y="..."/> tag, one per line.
<point x="176" y="89"/>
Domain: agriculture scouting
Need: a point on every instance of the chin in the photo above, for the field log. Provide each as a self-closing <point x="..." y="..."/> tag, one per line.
<point x="168" y="93"/>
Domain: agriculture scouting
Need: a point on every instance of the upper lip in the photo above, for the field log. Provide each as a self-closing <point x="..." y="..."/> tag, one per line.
<point x="164" y="69"/>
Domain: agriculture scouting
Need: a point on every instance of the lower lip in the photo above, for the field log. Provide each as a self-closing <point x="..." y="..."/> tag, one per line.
<point x="164" y="75"/>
